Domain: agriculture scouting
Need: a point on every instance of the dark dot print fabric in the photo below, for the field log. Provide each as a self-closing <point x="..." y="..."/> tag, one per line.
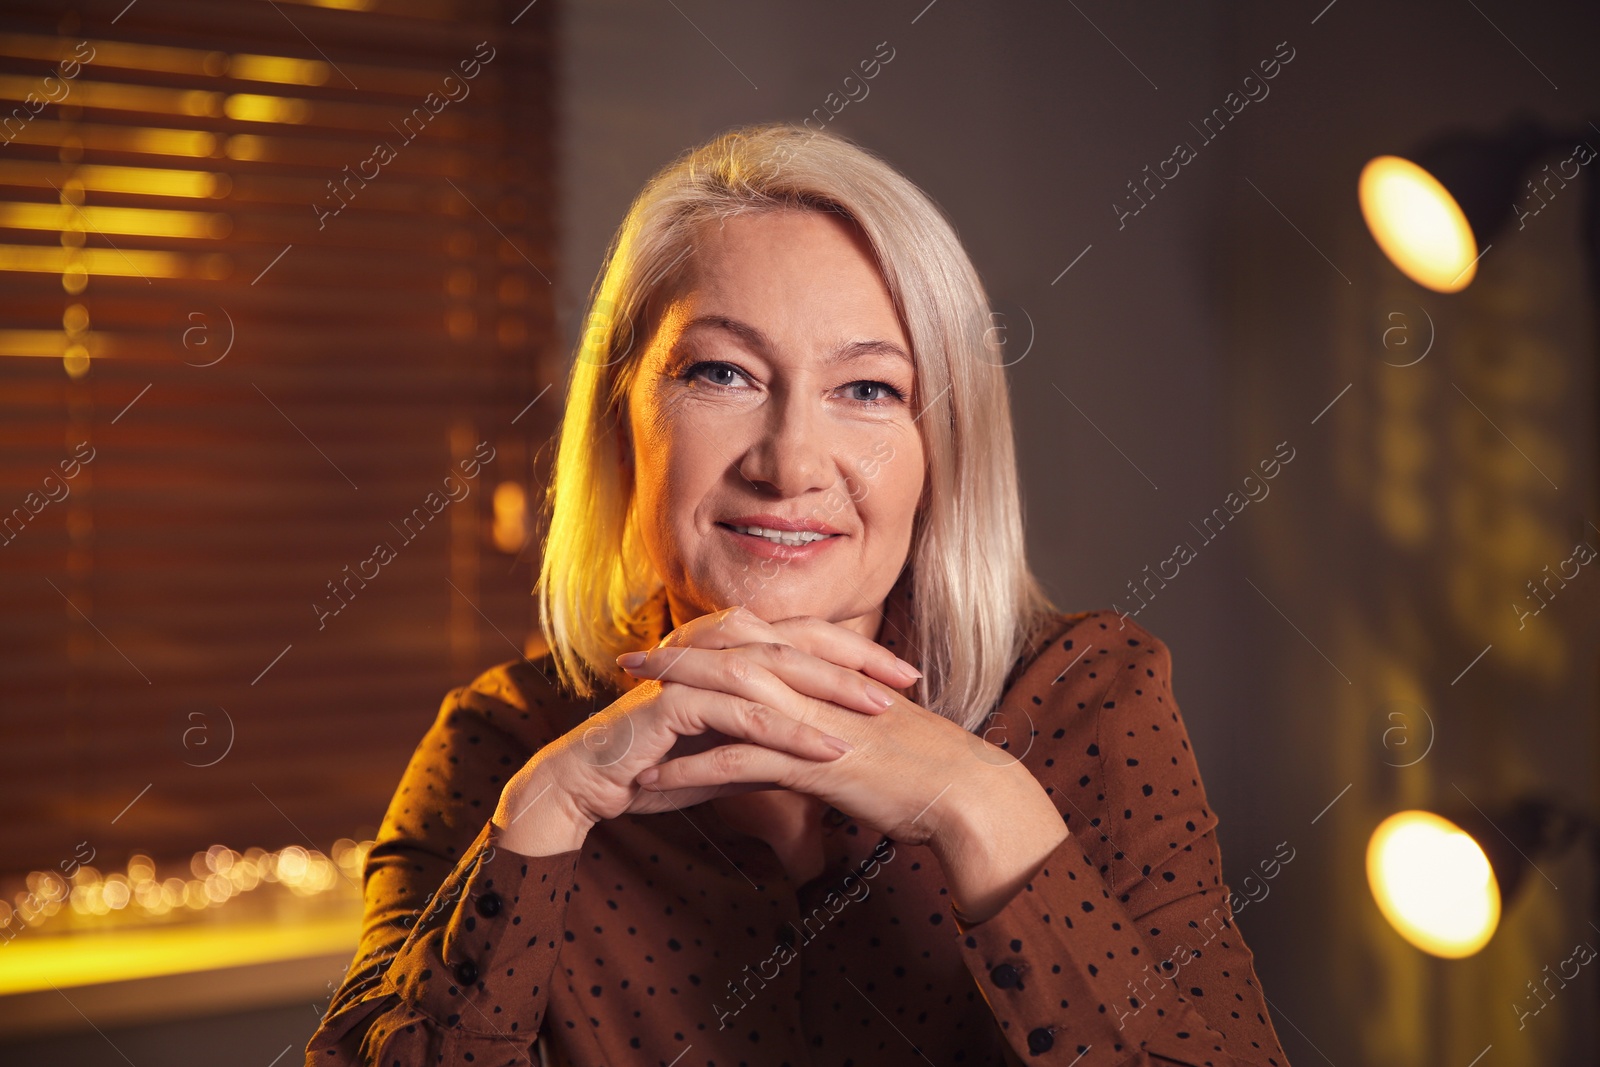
<point x="673" y="939"/>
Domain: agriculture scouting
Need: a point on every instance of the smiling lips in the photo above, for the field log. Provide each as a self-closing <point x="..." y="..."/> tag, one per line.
<point x="783" y="531"/>
<point x="782" y="537"/>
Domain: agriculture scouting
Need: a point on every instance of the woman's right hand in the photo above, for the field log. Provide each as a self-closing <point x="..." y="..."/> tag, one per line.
<point x="587" y="775"/>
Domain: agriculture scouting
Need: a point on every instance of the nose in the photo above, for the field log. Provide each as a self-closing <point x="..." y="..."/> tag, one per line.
<point x="791" y="454"/>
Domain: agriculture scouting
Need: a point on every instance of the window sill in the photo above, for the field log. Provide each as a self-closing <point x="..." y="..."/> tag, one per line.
<point x="52" y="984"/>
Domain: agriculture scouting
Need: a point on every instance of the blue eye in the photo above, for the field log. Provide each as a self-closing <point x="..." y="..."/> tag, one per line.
<point x="885" y="387"/>
<point x="707" y="368"/>
<point x="694" y="371"/>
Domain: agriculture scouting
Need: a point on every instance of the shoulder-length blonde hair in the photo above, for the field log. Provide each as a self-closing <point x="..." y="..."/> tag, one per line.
<point x="976" y="603"/>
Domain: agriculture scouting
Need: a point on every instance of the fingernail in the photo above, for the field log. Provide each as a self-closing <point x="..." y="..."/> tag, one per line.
<point x="879" y="697"/>
<point x="838" y="744"/>
<point x="908" y="668"/>
<point x="648" y="775"/>
<point x="629" y="660"/>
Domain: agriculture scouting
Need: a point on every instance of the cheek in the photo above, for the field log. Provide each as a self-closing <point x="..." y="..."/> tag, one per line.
<point x="888" y="484"/>
<point x="684" y="467"/>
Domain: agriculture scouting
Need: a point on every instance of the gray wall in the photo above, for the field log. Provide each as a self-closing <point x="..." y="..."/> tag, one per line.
<point x="1191" y="340"/>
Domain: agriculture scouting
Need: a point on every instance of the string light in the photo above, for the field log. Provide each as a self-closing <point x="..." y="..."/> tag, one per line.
<point x="215" y="877"/>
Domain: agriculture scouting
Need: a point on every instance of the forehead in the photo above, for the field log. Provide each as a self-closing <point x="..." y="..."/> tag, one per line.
<point x="791" y="274"/>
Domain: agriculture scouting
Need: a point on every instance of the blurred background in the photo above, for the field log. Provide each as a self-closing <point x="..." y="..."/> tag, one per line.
<point x="287" y="294"/>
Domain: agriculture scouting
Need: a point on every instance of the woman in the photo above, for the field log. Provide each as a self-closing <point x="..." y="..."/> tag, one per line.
<point x="812" y="773"/>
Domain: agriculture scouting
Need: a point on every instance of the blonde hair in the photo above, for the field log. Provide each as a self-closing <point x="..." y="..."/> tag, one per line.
<point x="976" y="603"/>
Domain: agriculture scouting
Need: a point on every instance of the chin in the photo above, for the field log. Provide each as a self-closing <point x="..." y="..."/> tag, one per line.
<point x="772" y="604"/>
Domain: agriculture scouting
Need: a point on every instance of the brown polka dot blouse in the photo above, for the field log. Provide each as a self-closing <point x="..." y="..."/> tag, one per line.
<point x="673" y="939"/>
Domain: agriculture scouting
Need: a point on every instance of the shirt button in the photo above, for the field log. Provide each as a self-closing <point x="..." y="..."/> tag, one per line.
<point x="1004" y="976"/>
<point x="1040" y="1040"/>
<point x="466" y="972"/>
<point x="489" y="904"/>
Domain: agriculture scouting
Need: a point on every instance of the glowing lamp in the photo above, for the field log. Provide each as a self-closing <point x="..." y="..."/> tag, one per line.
<point x="1434" y="883"/>
<point x="1442" y="881"/>
<point x="1435" y="211"/>
<point x="1418" y="224"/>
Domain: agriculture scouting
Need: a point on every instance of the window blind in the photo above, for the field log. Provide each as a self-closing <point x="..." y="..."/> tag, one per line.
<point x="276" y="319"/>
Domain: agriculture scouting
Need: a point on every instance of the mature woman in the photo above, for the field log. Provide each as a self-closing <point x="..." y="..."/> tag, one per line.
<point x="812" y="772"/>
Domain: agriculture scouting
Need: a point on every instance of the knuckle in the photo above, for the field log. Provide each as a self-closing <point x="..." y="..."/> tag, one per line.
<point x="670" y="658"/>
<point x="753" y="714"/>
<point x="725" y="758"/>
<point x="735" y="668"/>
<point x="736" y="616"/>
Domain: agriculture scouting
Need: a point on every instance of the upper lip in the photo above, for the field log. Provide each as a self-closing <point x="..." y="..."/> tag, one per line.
<point x="773" y="522"/>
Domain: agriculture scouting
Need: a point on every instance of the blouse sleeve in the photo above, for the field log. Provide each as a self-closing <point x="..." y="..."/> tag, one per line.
<point x="1127" y="924"/>
<point x="459" y="936"/>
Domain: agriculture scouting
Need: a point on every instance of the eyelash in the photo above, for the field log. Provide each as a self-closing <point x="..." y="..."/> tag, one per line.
<point x="692" y="371"/>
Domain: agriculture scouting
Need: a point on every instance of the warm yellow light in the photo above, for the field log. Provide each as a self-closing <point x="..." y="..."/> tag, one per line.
<point x="1433" y="883"/>
<point x="75" y="360"/>
<point x="249" y="146"/>
<point x="50" y="343"/>
<point x="121" y="96"/>
<point x="254" y="107"/>
<point x="150" y="181"/>
<point x="117" y="55"/>
<point x="278" y="69"/>
<point x="129" y="262"/>
<point x="135" y="139"/>
<point x="1418" y="224"/>
<point x="510" y="517"/>
<point x="39" y="963"/>
<point x="138" y="221"/>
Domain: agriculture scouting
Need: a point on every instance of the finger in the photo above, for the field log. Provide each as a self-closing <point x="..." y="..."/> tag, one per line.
<point x="721" y="766"/>
<point x="727" y="628"/>
<point x="761" y="673"/>
<point x="837" y="644"/>
<point x="844" y="646"/>
<point x="736" y="717"/>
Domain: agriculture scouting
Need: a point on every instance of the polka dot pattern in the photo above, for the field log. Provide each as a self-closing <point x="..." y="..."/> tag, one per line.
<point x="677" y="939"/>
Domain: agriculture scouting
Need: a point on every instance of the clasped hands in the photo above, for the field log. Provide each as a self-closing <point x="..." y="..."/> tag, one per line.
<point x="807" y="674"/>
<point x="729" y="703"/>
<point x="909" y="773"/>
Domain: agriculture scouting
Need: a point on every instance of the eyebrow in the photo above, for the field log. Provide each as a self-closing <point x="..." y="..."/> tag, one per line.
<point x="759" y="341"/>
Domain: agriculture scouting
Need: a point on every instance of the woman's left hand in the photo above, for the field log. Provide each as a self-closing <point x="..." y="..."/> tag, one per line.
<point x="913" y="775"/>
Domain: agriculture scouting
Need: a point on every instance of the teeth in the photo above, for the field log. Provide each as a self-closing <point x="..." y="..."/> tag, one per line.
<point x="793" y="538"/>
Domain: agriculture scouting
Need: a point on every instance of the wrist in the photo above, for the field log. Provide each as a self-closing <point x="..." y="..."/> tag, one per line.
<point x="536" y="817"/>
<point x="999" y="801"/>
<point x="989" y="849"/>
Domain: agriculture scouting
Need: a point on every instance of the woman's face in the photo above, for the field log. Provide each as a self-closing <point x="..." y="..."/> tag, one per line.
<point x="777" y="391"/>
